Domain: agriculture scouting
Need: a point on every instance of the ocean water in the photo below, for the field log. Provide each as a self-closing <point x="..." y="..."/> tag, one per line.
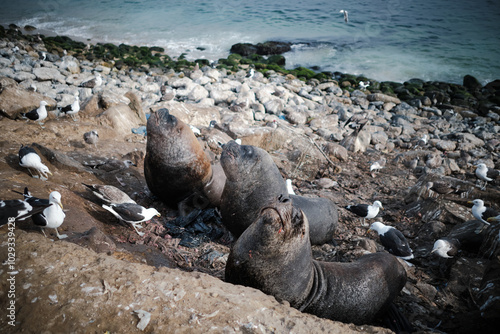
<point x="384" y="39"/>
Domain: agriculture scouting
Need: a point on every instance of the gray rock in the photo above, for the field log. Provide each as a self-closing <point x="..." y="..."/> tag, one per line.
<point x="52" y="74"/>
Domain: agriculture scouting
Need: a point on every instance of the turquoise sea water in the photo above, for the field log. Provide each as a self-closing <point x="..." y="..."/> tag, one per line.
<point x="384" y="39"/>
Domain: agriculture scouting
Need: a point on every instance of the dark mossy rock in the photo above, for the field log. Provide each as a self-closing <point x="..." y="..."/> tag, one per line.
<point x="273" y="48"/>
<point x="471" y="83"/>
<point x="277" y="60"/>
<point x="493" y="86"/>
<point x="202" y="62"/>
<point x="303" y="73"/>
<point x="29" y="28"/>
<point x="418" y="83"/>
<point x="244" y="49"/>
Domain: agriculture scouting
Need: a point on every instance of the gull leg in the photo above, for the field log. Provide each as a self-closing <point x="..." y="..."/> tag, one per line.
<point x="60" y="236"/>
<point x="41" y="125"/>
<point x="29" y="170"/>
<point x="43" y="231"/>
<point x="140" y="233"/>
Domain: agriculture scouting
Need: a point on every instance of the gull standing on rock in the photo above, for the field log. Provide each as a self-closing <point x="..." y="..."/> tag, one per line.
<point x="481" y="212"/>
<point x="446" y="247"/>
<point x="73" y="108"/>
<point x="393" y="240"/>
<point x="28" y="158"/>
<point x="132" y="213"/>
<point x="365" y="211"/>
<point x="18" y="210"/>
<point x="38" y="114"/>
<point x="92" y="83"/>
<point x="363" y="85"/>
<point x="377" y="165"/>
<point x="486" y="174"/>
<point x="109" y="194"/>
<point x="53" y="216"/>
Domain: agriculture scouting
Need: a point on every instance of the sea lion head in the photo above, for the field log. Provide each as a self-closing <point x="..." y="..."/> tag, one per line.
<point x="284" y="221"/>
<point x="237" y="160"/>
<point x="162" y="118"/>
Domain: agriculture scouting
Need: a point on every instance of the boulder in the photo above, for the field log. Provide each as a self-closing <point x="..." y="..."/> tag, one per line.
<point x="15" y="99"/>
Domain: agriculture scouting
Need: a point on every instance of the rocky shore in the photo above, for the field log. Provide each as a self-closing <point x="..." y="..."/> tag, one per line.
<point x="323" y="131"/>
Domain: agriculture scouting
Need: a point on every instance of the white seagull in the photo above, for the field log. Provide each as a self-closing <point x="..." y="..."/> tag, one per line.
<point x="73" y="108"/>
<point x="53" y="216"/>
<point x="363" y="85"/>
<point x="346" y="15"/>
<point x="486" y="174"/>
<point x="393" y="240"/>
<point x="446" y="247"/>
<point x="377" y="165"/>
<point x="365" y="211"/>
<point x="28" y="158"/>
<point x="289" y="187"/>
<point x="132" y="213"/>
<point x="481" y="212"/>
<point x="38" y="114"/>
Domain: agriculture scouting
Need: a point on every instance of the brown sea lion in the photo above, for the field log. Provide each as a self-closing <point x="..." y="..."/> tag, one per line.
<point x="274" y="255"/>
<point x="175" y="166"/>
<point x="253" y="180"/>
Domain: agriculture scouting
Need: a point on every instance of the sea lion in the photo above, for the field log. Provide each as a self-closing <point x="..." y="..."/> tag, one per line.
<point x="175" y="166"/>
<point x="274" y="255"/>
<point x="253" y="180"/>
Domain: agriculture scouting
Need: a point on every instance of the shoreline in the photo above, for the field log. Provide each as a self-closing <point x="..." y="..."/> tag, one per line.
<point x="314" y="68"/>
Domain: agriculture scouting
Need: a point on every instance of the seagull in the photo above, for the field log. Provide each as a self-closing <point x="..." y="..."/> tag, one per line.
<point x="195" y="130"/>
<point x="486" y="174"/>
<point x="377" y="165"/>
<point x="91" y="137"/>
<point x="38" y="114"/>
<point x="346" y="15"/>
<point x="16" y="209"/>
<point x="73" y="108"/>
<point x="30" y="159"/>
<point x="53" y="216"/>
<point x="365" y="211"/>
<point x="109" y="194"/>
<point x="250" y="73"/>
<point x="446" y="247"/>
<point x="393" y="240"/>
<point x="421" y="142"/>
<point x="363" y="85"/>
<point x="92" y="83"/>
<point x="42" y="55"/>
<point x="444" y="188"/>
<point x="132" y="213"/>
<point x="481" y="212"/>
<point x="289" y="187"/>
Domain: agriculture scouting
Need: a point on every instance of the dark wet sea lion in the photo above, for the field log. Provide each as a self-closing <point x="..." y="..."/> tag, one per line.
<point x="274" y="255"/>
<point x="253" y="180"/>
<point x="175" y="166"/>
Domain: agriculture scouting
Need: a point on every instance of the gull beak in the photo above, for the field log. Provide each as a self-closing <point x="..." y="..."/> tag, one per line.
<point x="492" y="219"/>
<point x="50" y="173"/>
<point x="470" y="202"/>
<point x="432" y="251"/>
<point x="60" y="204"/>
<point x="158" y="215"/>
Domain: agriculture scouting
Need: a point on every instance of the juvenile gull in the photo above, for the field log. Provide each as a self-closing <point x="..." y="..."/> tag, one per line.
<point x="393" y="240"/>
<point x="109" y="194"/>
<point x="486" y="174"/>
<point x="38" y="114"/>
<point x="91" y="137"/>
<point x="95" y="82"/>
<point x="377" y="165"/>
<point x="30" y="159"/>
<point x="365" y="211"/>
<point x="53" y="216"/>
<point x="132" y="213"/>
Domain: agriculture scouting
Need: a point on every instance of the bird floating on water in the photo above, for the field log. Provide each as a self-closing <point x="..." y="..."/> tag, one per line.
<point x="393" y="240"/>
<point x="365" y="211"/>
<point x="28" y="158"/>
<point x="132" y="213"/>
